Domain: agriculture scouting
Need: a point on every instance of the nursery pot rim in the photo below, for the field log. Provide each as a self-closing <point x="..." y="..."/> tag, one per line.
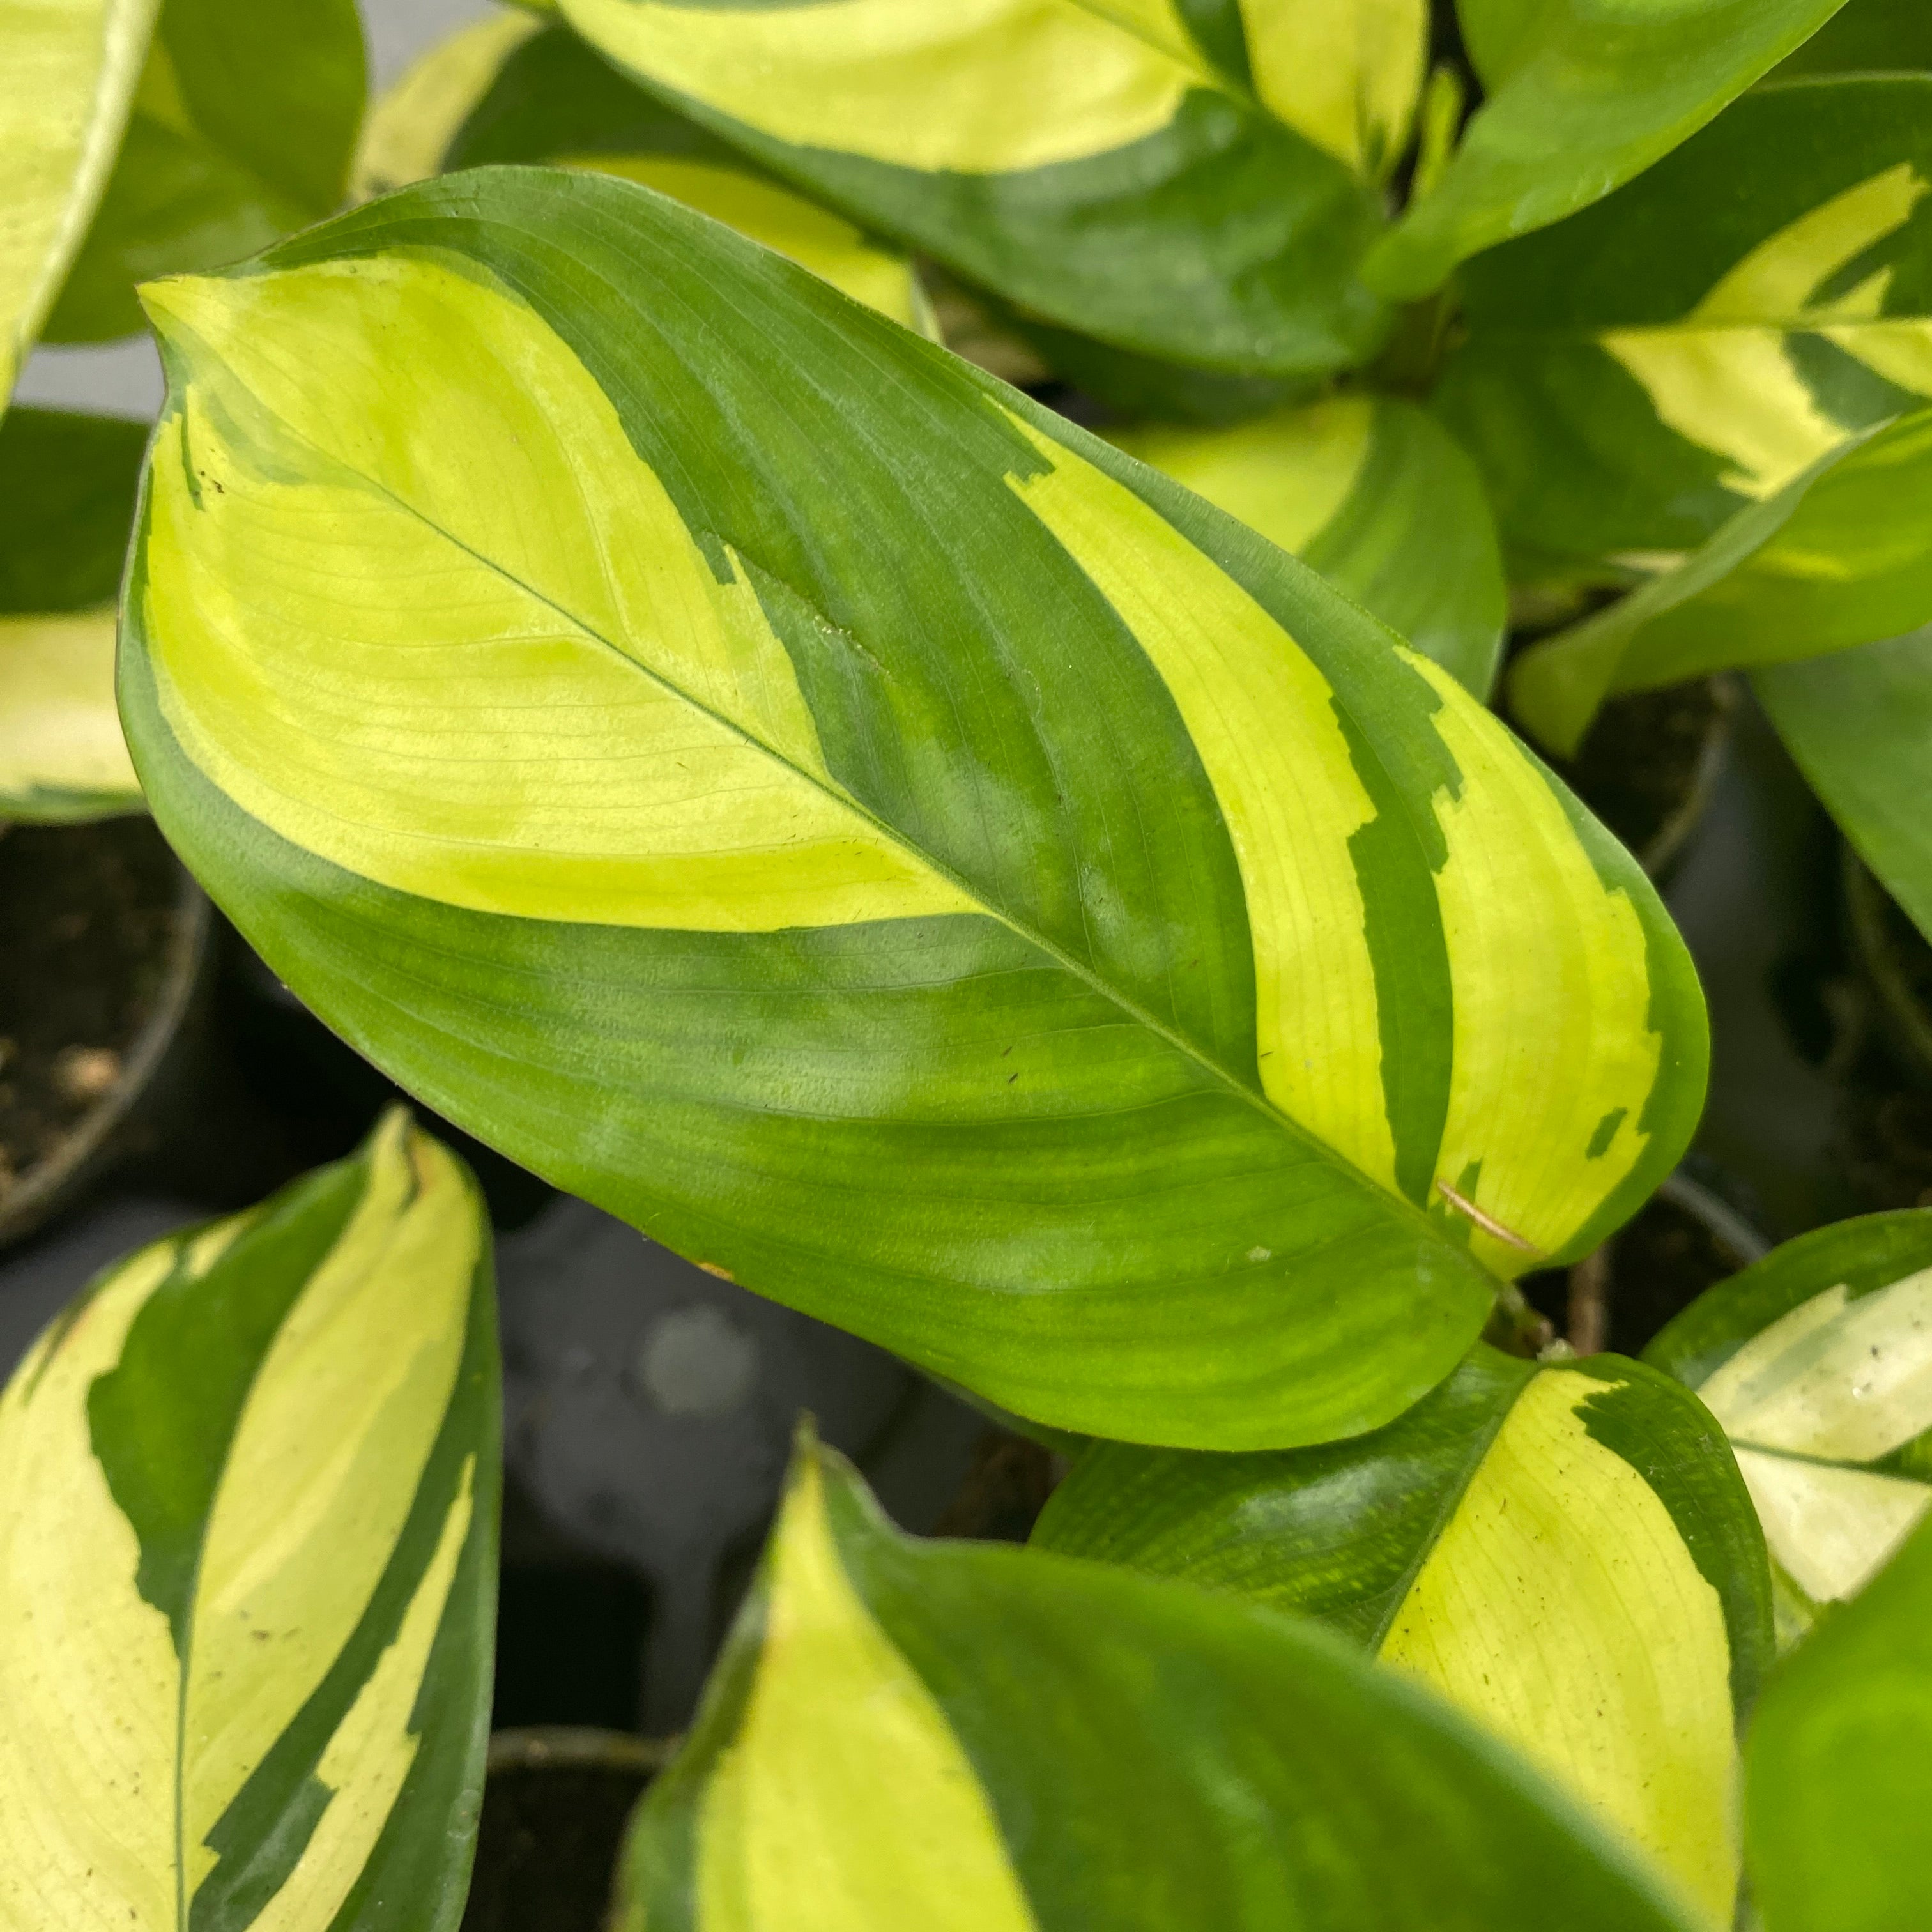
<point x="45" y="1186"/>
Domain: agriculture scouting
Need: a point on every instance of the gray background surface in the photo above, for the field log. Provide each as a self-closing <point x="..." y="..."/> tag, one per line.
<point x="123" y="378"/>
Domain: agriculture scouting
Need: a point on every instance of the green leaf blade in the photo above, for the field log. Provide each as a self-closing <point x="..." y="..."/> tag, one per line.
<point x="1261" y="1773"/>
<point x="248" y="1577"/>
<point x="1039" y="947"/>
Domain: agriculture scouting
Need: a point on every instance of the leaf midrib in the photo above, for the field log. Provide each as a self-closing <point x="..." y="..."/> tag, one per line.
<point x="1068" y="962"/>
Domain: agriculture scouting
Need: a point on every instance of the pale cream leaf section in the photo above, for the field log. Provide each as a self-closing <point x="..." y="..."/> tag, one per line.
<point x="1849" y="1381"/>
<point x="1562" y="1608"/>
<point x="326" y="1461"/>
<point x="1347" y="74"/>
<point x="1551" y="980"/>
<point x="978" y="86"/>
<point x="68" y="69"/>
<point x="89" y="1681"/>
<point x="1831" y="1529"/>
<point x="59" y="731"/>
<point x="844" y="1803"/>
<point x="416" y="603"/>
<point x="1286" y="474"/>
<point x="1263" y="722"/>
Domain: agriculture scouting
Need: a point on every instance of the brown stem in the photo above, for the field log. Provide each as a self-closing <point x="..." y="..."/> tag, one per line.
<point x="1589" y="1303"/>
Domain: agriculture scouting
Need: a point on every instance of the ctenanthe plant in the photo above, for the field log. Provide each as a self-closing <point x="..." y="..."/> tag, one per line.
<point x="1040" y="873"/>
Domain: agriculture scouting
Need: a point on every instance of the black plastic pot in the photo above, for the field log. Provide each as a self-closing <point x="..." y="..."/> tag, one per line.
<point x="105" y="959"/>
<point x="555" y="1807"/>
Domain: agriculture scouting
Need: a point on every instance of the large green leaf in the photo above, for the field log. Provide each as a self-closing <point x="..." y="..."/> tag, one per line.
<point x="1581" y="95"/>
<point x="554" y="100"/>
<point x="1837" y="558"/>
<point x="68" y="485"/>
<point x="247" y="1568"/>
<point x="1837" y="1785"/>
<point x="1375" y="495"/>
<point x="782" y="784"/>
<point x="66" y="83"/>
<point x="1092" y="161"/>
<point x="1859" y="723"/>
<point x="1817" y="1361"/>
<point x="1566" y="1553"/>
<point x="1636" y="376"/>
<point x="968" y="1738"/>
<point x="242" y="129"/>
<point x="1867" y="36"/>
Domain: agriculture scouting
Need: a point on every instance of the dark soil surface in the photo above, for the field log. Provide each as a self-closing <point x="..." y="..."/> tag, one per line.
<point x="1885" y="1142"/>
<point x="1660" y="1264"/>
<point x="547" y="1847"/>
<point x="1638" y="770"/>
<point x="86" y="915"/>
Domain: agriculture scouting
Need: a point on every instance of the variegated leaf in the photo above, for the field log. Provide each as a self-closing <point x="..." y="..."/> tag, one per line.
<point x="1635" y="377"/>
<point x="1582" y="94"/>
<point x="1566" y="1553"/>
<point x="1817" y="1360"/>
<point x="1160" y="174"/>
<point x="1837" y="1786"/>
<point x="1372" y="493"/>
<point x="67" y="486"/>
<point x="781" y="783"/>
<point x="552" y="99"/>
<point x="969" y="1738"/>
<point x="247" y="1568"/>
<point x="1836" y="559"/>
<point x="66" y="84"/>
<point x="243" y="125"/>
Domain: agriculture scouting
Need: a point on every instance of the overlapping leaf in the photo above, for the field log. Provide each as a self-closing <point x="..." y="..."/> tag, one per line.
<point x="1372" y="493"/>
<point x="1859" y="724"/>
<point x="783" y="785"/>
<point x="972" y="1739"/>
<point x="1565" y="1553"/>
<point x="1155" y="175"/>
<point x="243" y="125"/>
<point x="65" y="87"/>
<point x="1837" y="1785"/>
<point x="1836" y="559"/>
<point x="1817" y="1361"/>
<point x="1866" y="37"/>
<point x="1636" y="376"/>
<point x="1582" y="94"/>
<point x="247" y="1568"/>
<point x="68" y="485"/>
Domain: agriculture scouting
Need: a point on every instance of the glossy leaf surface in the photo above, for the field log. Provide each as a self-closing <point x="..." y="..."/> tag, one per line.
<point x="1567" y="1554"/>
<point x="1817" y="1361"/>
<point x="554" y="100"/>
<point x="65" y="86"/>
<point x="242" y="129"/>
<point x="68" y="485"/>
<point x="1838" y="1783"/>
<point x="1095" y="164"/>
<point x="969" y="1738"/>
<point x="247" y="1568"/>
<point x="1372" y="493"/>
<point x="1582" y="94"/>
<point x="1859" y="724"/>
<point x="1636" y="376"/>
<point x="830" y="810"/>
<point x="1836" y="559"/>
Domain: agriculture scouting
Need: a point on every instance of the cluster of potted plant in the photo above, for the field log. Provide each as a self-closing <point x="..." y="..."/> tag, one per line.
<point x="1018" y="675"/>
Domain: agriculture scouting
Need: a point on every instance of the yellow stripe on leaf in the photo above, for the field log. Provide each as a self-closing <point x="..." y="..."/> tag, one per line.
<point x="89" y="1681"/>
<point x="544" y="703"/>
<point x="1554" y="1058"/>
<point x="67" y="77"/>
<point x="815" y="239"/>
<point x="904" y="81"/>
<point x="1347" y="74"/>
<point x="844" y="1803"/>
<point x="365" y="1367"/>
<point x="1262" y="719"/>
<point x="59" y="731"/>
<point x="1561" y="1607"/>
